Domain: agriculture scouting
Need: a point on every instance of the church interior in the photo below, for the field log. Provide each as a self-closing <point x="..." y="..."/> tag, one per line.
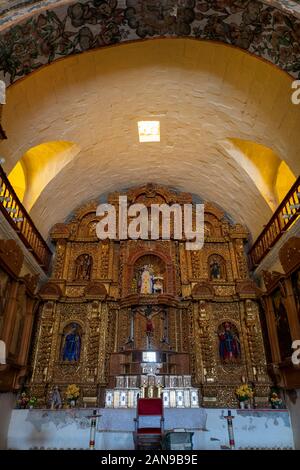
<point x="162" y="102"/>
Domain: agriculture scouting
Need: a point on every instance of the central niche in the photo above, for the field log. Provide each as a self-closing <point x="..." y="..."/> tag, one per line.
<point x="149" y="275"/>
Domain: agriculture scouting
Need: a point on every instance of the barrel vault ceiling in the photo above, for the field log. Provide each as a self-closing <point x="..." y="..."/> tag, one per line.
<point x="228" y="128"/>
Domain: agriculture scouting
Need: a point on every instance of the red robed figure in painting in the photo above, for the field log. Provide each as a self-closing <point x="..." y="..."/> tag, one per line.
<point x="229" y="344"/>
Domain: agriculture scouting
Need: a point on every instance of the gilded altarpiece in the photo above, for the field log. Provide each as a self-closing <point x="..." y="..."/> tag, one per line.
<point x="108" y="301"/>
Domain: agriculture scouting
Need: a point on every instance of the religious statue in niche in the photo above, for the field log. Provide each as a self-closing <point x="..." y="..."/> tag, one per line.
<point x="83" y="267"/>
<point x="217" y="267"/>
<point x="150" y="282"/>
<point x="71" y="346"/>
<point x="55" y="399"/>
<point x="149" y="275"/>
<point x="229" y="343"/>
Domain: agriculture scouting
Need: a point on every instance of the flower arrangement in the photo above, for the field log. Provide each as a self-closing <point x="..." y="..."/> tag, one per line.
<point x="22" y="402"/>
<point x="275" y="400"/>
<point x="32" y="402"/>
<point x="244" y="392"/>
<point x="72" y="393"/>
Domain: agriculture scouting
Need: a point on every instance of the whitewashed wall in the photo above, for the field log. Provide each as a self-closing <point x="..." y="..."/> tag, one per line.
<point x="70" y="428"/>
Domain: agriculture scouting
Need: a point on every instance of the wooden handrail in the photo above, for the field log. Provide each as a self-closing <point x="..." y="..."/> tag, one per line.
<point x="284" y="216"/>
<point x="20" y="220"/>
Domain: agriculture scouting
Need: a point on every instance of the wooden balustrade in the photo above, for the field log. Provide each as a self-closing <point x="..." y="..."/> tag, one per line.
<point x="20" y="220"/>
<point x="285" y="215"/>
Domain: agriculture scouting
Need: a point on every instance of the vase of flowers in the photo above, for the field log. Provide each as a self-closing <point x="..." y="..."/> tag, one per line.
<point x="22" y="401"/>
<point x="32" y="402"/>
<point x="275" y="400"/>
<point x="244" y="394"/>
<point x="72" y="394"/>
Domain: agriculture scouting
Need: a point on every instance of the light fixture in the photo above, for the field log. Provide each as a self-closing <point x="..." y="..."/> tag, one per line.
<point x="149" y="131"/>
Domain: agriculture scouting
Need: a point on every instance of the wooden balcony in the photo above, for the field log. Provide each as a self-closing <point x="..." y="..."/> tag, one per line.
<point x="20" y="220"/>
<point x="286" y="214"/>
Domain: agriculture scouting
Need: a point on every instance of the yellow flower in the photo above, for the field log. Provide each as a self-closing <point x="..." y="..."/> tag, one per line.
<point x="72" y="392"/>
<point x="244" y="392"/>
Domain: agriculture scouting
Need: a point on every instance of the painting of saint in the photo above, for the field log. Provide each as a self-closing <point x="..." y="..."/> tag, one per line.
<point x="72" y="344"/>
<point x="229" y="343"/>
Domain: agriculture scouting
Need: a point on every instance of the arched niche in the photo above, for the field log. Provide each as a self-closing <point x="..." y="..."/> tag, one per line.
<point x="162" y="264"/>
<point x="149" y="275"/>
<point x="217" y="268"/>
<point x="83" y="267"/>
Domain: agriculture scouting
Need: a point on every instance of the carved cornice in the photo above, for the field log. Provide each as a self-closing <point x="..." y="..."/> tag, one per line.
<point x="50" y="291"/>
<point x="60" y="231"/>
<point x="149" y="192"/>
<point x="141" y="299"/>
<point x="202" y="290"/>
<point x="247" y="289"/>
<point x="95" y="290"/>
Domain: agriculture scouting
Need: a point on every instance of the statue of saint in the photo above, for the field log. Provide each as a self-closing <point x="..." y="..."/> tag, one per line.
<point x="72" y="345"/>
<point x="158" y="284"/>
<point x="147" y="280"/>
<point x="215" y="270"/>
<point x="55" y="399"/>
<point x="83" y="268"/>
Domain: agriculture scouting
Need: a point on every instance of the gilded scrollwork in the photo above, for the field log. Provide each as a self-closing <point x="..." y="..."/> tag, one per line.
<point x="96" y="285"/>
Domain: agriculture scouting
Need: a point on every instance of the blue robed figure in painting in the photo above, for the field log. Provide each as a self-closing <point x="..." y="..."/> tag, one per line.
<point x="72" y="345"/>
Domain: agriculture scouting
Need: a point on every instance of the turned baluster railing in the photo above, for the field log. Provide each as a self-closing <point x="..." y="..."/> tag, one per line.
<point x="285" y="215"/>
<point x="20" y="220"/>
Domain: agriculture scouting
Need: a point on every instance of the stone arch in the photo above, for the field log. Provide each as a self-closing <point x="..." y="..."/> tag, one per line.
<point x="205" y="170"/>
<point x="135" y="20"/>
